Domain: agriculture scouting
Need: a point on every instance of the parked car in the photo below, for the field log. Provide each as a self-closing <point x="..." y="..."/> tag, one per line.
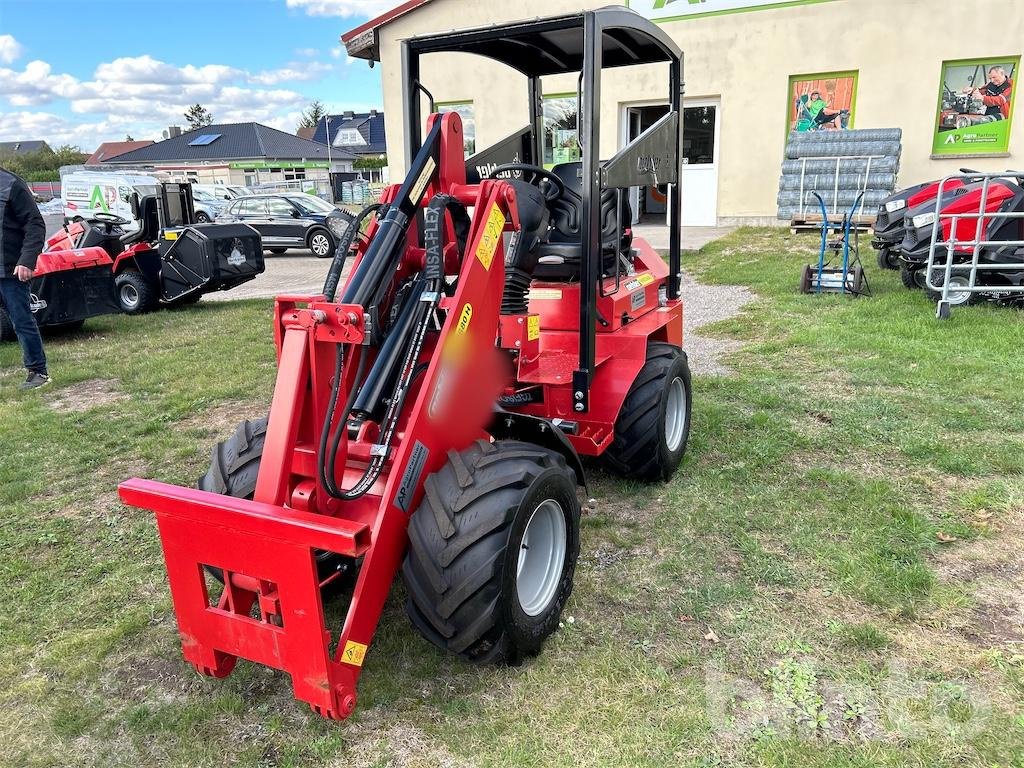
<point x="206" y="205"/>
<point x="291" y="221"/>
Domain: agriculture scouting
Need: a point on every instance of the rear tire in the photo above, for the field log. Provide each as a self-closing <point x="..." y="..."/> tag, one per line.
<point x="277" y="251"/>
<point x="6" y="327"/>
<point x="234" y="465"/>
<point x="961" y="299"/>
<point x="134" y="292"/>
<point x="908" y="277"/>
<point x="492" y="551"/>
<point x="654" y="423"/>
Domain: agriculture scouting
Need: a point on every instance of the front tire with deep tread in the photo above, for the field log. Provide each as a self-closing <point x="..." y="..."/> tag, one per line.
<point x="908" y="277"/>
<point x="641" y="448"/>
<point x="464" y="560"/>
<point x="234" y="466"/>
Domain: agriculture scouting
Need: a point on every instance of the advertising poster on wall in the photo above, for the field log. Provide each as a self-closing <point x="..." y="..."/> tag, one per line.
<point x="822" y="102"/>
<point x="674" y="10"/>
<point x="976" y="99"/>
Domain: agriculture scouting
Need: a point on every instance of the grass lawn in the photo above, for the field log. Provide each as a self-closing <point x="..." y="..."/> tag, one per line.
<point x="834" y="578"/>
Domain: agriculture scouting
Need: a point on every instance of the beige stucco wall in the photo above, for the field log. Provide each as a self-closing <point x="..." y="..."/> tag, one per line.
<point x="746" y="59"/>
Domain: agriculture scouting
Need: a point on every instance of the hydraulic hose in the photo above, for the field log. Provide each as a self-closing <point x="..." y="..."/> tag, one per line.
<point x="342" y="251"/>
<point x="408" y="334"/>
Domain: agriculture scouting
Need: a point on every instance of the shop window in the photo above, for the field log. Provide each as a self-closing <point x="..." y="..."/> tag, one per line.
<point x="699" y="135"/>
<point x="294" y="174"/>
<point x="465" y="110"/>
<point x="561" y="129"/>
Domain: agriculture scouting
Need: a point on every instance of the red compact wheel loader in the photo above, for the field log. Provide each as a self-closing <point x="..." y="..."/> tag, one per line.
<point x="499" y="323"/>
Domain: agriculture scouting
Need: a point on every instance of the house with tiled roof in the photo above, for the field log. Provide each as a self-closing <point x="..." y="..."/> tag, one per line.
<point x="247" y="154"/>
<point x="108" y="150"/>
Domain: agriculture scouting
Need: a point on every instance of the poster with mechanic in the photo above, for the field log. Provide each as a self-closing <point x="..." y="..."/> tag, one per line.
<point x="976" y="100"/>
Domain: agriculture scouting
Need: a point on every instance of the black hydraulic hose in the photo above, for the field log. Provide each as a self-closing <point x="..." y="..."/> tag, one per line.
<point x="423" y="302"/>
<point x="342" y="251"/>
<point x="327" y="460"/>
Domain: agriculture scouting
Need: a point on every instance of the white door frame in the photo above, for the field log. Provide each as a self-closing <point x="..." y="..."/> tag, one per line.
<point x="715" y="102"/>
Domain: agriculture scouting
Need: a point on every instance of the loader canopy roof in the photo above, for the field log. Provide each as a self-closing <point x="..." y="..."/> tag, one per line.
<point x="555" y="46"/>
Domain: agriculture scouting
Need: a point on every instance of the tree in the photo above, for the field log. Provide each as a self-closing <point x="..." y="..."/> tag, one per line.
<point x="128" y="137"/>
<point x="198" y="116"/>
<point x="313" y="115"/>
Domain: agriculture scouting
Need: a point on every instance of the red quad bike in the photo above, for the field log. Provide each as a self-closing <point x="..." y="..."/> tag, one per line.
<point x="73" y="281"/>
<point x="431" y="420"/>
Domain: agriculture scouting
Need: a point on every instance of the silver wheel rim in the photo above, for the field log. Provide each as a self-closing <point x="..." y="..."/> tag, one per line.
<point x="320" y="245"/>
<point x="541" y="558"/>
<point x="955" y="296"/>
<point x="675" y="414"/>
<point x="129" y="296"/>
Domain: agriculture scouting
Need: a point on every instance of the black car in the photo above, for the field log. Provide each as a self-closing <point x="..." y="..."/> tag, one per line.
<point x="290" y="221"/>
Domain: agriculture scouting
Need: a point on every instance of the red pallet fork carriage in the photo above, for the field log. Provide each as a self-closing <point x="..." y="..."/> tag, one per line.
<point x="431" y="419"/>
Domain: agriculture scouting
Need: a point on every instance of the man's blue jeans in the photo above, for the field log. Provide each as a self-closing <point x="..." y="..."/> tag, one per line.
<point x="15" y="297"/>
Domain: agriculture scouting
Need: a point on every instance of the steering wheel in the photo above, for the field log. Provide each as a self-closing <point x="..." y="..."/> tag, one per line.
<point x="534" y="174"/>
<point x="110" y="220"/>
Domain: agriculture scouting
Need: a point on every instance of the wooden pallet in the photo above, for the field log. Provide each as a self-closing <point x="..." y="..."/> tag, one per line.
<point x="812" y="223"/>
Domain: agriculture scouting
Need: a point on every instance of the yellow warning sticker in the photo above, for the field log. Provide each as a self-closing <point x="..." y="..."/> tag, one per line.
<point x="464" y="318"/>
<point x="646" y="278"/>
<point x="354" y="653"/>
<point x="533" y="327"/>
<point x="170" y="235"/>
<point x="492" y="235"/>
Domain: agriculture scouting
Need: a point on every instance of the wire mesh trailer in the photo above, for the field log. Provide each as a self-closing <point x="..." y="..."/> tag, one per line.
<point x="956" y="262"/>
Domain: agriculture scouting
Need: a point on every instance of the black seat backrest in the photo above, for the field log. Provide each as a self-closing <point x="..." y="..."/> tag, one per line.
<point x="149" y="221"/>
<point x="567" y="211"/>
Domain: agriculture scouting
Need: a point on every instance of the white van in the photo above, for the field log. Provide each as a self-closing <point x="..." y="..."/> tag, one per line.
<point x="88" y="192"/>
<point x="221" y="192"/>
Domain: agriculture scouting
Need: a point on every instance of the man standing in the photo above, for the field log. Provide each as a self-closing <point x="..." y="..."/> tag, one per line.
<point x="22" y="232"/>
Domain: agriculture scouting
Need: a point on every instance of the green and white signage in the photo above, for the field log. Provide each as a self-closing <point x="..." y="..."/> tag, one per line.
<point x="976" y="99"/>
<point x="264" y="165"/>
<point x="674" y="10"/>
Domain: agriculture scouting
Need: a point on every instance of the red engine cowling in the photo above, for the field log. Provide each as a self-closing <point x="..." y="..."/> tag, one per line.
<point x="52" y="261"/>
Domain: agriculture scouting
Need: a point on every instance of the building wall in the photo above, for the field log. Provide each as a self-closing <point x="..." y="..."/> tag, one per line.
<point x="745" y="59"/>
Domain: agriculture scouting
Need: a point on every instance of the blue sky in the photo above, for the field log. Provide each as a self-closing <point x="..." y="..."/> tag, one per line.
<point x="84" y="72"/>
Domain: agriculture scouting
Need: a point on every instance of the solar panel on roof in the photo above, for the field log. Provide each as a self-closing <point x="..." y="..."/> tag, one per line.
<point x="202" y="141"/>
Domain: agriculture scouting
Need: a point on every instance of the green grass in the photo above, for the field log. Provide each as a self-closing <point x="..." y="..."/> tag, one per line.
<point x="792" y="598"/>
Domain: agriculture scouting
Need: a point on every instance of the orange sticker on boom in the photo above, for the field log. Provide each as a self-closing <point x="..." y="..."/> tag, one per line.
<point x="354" y="653"/>
<point x="492" y="234"/>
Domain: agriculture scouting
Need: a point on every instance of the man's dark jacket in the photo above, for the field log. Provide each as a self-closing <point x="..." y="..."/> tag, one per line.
<point x="23" y="231"/>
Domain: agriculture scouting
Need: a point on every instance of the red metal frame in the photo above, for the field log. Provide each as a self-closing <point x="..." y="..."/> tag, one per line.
<point x="270" y="610"/>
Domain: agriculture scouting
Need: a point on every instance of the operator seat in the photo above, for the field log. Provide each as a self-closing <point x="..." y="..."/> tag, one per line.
<point x="149" y="222"/>
<point x="560" y="255"/>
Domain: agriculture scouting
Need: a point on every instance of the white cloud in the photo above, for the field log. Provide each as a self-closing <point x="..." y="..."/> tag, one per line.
<point x="307" y="53"/>
<point x="344" y="8"/>
<point x="292" y="73"/>
<point x="10" y="49"/>
<point x="336" y="52"/>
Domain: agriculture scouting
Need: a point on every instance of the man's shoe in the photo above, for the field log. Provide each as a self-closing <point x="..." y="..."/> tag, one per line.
<point x="35" y="380"/>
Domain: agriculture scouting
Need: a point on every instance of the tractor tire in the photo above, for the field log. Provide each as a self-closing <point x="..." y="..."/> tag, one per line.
<point x="277" y="251"/>
<point x="321" y="243"/>
<point x="908" y="277"/>
<point x="654" y="423"/>
<point x="6" y="327"/>
<point x="492" y="551"/>
<point x="135" y="294"/>
<point x="233" y="469"/>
